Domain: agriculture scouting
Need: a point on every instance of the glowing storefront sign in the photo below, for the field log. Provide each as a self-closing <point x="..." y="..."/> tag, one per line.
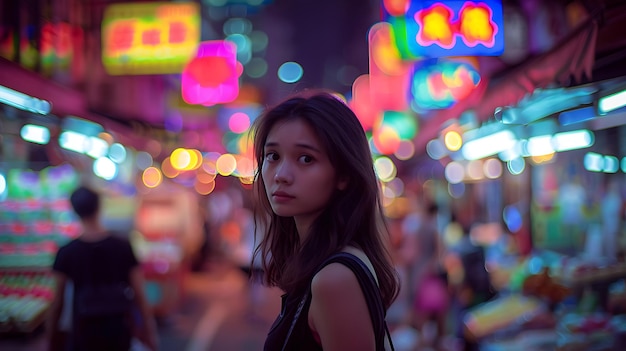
<point x="149" y="38"/>
<point x="212" y="76"/>
<point x="57" y="47"/>
<point x="389" y="75"/>
<point x="450" y="28"/>
<point x="440" y="83"/>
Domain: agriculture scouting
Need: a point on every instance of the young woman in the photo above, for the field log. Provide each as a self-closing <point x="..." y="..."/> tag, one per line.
<point x="318" y="202"/>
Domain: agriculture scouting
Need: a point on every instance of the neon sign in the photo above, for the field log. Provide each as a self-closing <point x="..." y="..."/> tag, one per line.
<point x="440" y="83"/>
<point x="450" y="28"/>
<point x="212" y="77"/>
<point x="57" y="44"/>
<point x="149" y="38"/>
<point x="388" y="73"/>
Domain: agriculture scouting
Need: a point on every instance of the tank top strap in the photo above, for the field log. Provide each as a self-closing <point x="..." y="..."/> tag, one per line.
<point x="371" y="291"/>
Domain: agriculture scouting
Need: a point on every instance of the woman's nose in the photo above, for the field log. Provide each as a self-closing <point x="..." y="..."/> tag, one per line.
<point x="283" y="173"/>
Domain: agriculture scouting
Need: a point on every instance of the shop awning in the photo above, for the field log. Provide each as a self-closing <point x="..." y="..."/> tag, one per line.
<point x="65" y="100"/>
<point x="571" y="60"/>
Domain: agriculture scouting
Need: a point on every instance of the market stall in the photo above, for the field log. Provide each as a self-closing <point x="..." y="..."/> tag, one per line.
<point x="35" y="220"/>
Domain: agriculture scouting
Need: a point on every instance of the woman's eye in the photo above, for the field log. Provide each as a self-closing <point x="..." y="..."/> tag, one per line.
<point x="271" y="156"/>
<point x="305" y="159"/>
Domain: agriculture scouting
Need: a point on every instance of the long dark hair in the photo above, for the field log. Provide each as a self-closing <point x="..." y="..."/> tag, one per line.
<point x="353" y="216"/>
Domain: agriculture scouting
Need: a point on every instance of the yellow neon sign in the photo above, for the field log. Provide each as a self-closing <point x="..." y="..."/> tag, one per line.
<point x="149" y="38"/>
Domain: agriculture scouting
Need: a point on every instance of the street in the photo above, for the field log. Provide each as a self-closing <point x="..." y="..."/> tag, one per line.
<point x="215" y="314"/>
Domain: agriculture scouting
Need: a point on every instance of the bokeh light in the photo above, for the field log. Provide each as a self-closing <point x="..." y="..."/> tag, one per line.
<point x="290" y="72"/>
<point x="152" y="177"/>
<point x="205" y="177"/>
<point x="396" y="7"/>
<point x="239" y="122"/>
<point x="397" y="185"/>
<point x="361" y="102"/>
<point x="512" y="218"/>
<point x="385" y="168"/>
<point x="475" y="169"/>
<point x="453" y="140"/>
<point x="492" y="168"/>
<point x="457" y="190"/>
<point x="259" y="40"/>
<point x="386" y="140"/>
<point x="406" y="150"/>
<point x="117" y="153"/>
<point x="237" y="25"/>
<point x="169" y="170"/>
<point x="256" y="68"/>
<point x="3" y="185"/>
<point x="245" y="167"/>
<point x="204" y="188"/>
<point x="516" y="166"/>
<point x="244" y="47"/>
<point x="104" y="168"/>
<point x="435" y="149"/>
<point x="454" y="172"/>
<point x="226" y="164"/>
<point x="180" y="159"/>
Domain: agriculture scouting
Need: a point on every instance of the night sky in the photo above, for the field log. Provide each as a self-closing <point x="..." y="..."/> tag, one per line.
<point x="327" y="37"/>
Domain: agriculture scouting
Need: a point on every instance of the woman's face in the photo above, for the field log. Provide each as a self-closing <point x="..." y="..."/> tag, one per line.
<point x="298" y="176"/>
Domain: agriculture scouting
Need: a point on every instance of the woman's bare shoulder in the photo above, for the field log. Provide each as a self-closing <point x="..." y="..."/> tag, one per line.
<point x="338" y="315"/>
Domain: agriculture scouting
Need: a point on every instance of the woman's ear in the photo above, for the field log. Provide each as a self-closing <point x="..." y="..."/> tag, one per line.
<point x="342" y="183"/>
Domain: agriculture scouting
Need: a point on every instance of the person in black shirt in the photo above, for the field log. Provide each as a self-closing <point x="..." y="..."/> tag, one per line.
<point x="98" y="259"/>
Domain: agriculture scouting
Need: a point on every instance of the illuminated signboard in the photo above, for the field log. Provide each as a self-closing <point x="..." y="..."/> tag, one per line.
<point x="149" y="38"/>
<point x="389" y="75"/>
<point x="448" y="28"/>
<point x="440" y="83"/>
<point x="212" y="77"/>
<point x="56" y="44"/>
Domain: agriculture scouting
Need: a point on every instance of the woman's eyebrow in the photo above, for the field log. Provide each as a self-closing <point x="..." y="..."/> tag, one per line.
<point x="300" y="145"/>
<point x="308" y="146"/>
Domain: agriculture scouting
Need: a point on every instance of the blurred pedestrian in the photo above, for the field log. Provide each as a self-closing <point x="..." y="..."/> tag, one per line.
<point x="429" y="279"/>
<point x="108" y="301"/>
<point x="474" y="286"/>
<point x="325" y="243"/>
<point x="611" y="208"/>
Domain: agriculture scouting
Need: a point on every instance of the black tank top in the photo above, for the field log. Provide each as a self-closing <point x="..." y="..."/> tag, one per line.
<point x="301" y="338"/>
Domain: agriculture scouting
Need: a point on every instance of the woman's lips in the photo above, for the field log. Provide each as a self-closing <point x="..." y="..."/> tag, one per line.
<point x="281" y="197"/>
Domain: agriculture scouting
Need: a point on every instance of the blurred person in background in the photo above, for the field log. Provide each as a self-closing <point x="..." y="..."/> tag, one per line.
<point x="200" y="259"/>
<point x="428" y="277"/>
<point x="242" y="255"/>
<point x="109" y="305"/>
<point x="611" y="209"/>
<point x="472" y="285"/>
<point x="325" y="243"/>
